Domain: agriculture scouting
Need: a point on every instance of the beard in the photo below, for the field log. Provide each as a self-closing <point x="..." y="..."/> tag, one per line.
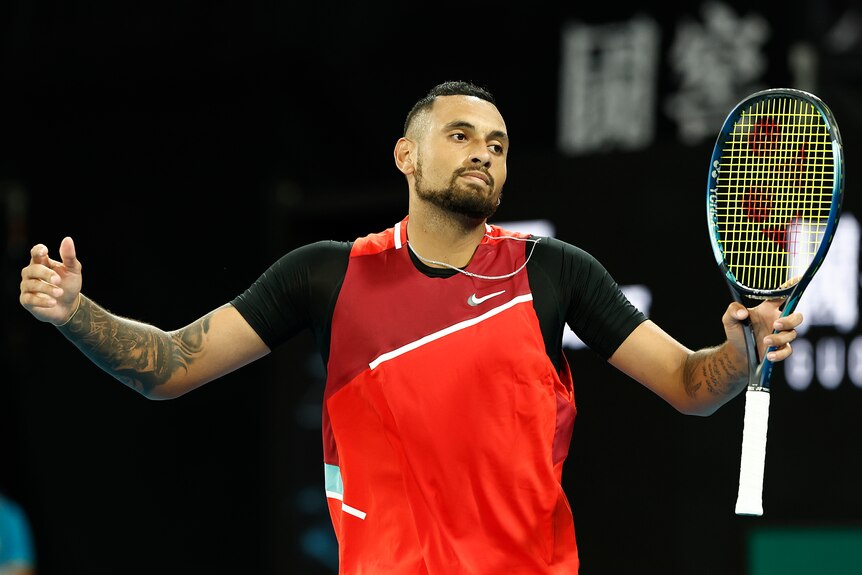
<point x="459" y="197"/>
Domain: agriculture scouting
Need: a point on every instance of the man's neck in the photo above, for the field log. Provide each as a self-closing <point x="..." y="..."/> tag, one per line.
<point x="441" y="236"/>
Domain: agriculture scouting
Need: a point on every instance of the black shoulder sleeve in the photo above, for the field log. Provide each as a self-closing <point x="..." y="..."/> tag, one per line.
<point x="570" y="285"/>
<point x="298" y="291"/>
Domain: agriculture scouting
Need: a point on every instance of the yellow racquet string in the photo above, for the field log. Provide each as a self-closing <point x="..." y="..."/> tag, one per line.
<point x="774" y="191"/>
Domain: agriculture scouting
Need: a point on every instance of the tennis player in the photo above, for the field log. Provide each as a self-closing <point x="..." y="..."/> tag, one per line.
<point x="449" y="405"/>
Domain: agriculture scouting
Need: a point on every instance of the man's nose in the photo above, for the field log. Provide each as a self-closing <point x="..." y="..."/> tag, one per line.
<point x="480" y="156"/>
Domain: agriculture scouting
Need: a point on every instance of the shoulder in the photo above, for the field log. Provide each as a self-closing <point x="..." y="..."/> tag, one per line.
<point x="322" y="248"/>
<point x="323" y="253"/>
<point x="321" y="263"/>
<point x="553" y="252"/>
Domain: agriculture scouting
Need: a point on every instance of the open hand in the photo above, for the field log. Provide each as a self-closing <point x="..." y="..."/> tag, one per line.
<point x="50" y="289"/>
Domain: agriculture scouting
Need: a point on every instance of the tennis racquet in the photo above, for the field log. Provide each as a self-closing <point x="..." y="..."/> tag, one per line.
<point x="776" y="180"/>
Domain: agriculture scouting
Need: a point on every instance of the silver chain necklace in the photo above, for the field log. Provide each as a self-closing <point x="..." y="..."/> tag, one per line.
<point x="479" y="276"/>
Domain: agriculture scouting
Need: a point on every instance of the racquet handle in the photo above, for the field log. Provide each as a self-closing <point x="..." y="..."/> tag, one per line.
<point x="750" y="498"/>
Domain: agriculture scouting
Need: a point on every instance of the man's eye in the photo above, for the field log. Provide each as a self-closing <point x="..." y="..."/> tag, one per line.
<point x="497" y="148"/>
<point x="459" y="137"/>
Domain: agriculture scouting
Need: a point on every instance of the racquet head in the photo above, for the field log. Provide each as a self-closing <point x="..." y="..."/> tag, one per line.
<point x="774" y="193"/>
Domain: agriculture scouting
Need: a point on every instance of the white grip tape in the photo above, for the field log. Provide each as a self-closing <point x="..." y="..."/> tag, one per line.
<point x="750" y="498"/>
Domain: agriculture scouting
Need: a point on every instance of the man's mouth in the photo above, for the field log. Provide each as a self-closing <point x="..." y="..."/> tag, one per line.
<point x="480" y="176"/>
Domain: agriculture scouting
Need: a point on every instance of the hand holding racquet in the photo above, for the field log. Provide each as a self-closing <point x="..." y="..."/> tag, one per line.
<point x="773" y="200"/>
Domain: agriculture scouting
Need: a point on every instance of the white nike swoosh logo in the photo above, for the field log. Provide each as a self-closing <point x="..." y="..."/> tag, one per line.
<point x="474" y="301"/>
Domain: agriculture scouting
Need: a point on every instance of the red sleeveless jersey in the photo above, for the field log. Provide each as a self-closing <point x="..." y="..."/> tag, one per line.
<point x="445" y="423"/>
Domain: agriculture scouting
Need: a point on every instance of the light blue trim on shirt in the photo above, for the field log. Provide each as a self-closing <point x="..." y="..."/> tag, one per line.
<point x="332" y="475"/>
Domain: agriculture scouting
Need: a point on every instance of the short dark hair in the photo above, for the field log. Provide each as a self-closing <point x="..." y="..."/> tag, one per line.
<point x="451" y="88"/>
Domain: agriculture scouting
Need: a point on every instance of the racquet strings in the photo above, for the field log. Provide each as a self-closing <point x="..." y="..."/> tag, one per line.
<point x="774" y="192"/>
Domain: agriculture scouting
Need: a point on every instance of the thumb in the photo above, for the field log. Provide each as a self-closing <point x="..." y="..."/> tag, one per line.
<point x="736" y="313"/>
<point x="68" y="255"/>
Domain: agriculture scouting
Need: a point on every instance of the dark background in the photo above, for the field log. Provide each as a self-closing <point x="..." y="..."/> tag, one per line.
<point x="187" y="146"/>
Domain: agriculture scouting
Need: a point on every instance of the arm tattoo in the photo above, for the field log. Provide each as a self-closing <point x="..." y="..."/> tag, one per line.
<point x="139" y="355"/>
<point x="716" y="370"/>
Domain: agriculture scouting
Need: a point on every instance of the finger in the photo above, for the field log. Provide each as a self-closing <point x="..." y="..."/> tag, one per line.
<point x="40" y="287"/>
<point x="780" y="354"/>
<point x="37" y="300"/>
<point x="39" y="257"/>
<point x="788" y="322"/>
<point x="39" y="254"/>
<point x="779" y="339"/>
<point x="37" y="269"/>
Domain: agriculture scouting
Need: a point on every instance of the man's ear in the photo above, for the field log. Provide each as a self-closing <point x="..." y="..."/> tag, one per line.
<point x="405" y="156"/>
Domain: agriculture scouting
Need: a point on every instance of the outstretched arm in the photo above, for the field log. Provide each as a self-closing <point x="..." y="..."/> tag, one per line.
<point x="156" y="363"/>
<point x="699" y="382"/>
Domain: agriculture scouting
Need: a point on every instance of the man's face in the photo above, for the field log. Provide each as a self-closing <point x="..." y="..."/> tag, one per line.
<point x="461" y="156"/>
